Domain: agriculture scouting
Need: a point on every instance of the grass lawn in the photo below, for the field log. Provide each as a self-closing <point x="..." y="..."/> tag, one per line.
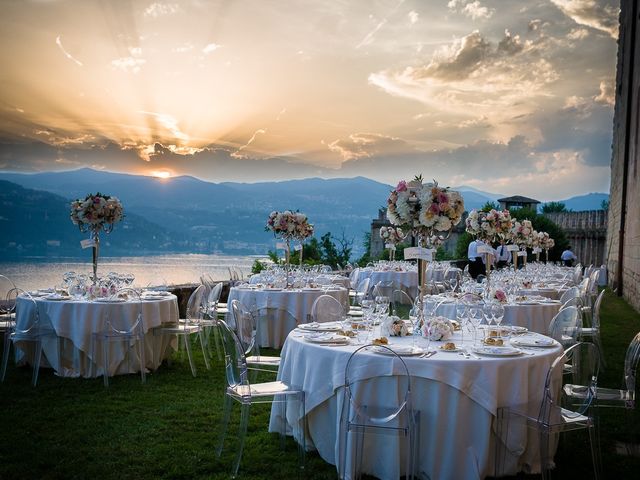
<point x="167" y="428"/>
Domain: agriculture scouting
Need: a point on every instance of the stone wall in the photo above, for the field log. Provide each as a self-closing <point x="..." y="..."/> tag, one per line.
<point x="586" y="232"/>
<point x="623" y="232"/>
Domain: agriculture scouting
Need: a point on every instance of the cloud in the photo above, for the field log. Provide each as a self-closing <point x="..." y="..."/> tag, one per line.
<point x="210" y="48"/>
<point x="158" y="9"/>
<point x="413" y="17"/>
<point x="66" y="54"/>
<point x="368" y="39"/>
<point x="366" y="145"/>
<point x="472" y="9"/>
<point x="607" y="93"/>
<point x="578" y="34"/>
<point x="591" y="13"/>
<point x="128" y="64"/>
<point x="237" y="153"/>
<point x="169" y="122"/>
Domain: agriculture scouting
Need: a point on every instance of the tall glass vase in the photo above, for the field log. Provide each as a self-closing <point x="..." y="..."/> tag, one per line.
<point x="301" y="251"/>
<point x="95" y="249"/>
<point x="287" y="259"/>
<point x="487" y="288"/>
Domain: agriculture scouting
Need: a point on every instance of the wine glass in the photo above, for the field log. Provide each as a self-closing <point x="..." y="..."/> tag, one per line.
<point x="497" y="313"/>
<point x="475" y="317"/>
<point x="382" y="307"/>
<point x="462" y="316"/>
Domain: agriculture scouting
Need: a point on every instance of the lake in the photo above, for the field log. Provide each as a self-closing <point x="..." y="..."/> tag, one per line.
<point x="173" y="269"/>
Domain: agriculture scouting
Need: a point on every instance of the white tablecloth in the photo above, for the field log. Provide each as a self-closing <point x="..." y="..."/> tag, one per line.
<point x="534" y="316"/>
<point x="406" y="281"/>
<point x="75" y="321"/>
<point x="457" y="397"/>
<point x="280" y="311"/>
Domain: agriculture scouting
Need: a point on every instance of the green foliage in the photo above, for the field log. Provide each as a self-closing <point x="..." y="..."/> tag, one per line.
<point x="462" y="245"/>
<point x="554" y="207"/>
<point x="366" y="257"/>
<point x="258" y="266"/>
<point x="338" y="253"/>
<point x="487" y="207"/>
<point x="604" y="205"/>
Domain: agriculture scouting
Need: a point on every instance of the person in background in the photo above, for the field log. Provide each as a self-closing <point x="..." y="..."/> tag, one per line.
<point x="568" y="257"/>
<point x="476" y="264"/>
<point x="503" y="255"/>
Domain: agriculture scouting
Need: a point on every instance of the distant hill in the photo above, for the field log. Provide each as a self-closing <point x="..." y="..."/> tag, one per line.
<point x="193" y="215"/>
<point x="590" y="201"/>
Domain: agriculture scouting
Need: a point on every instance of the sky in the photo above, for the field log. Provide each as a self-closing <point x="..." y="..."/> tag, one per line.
<point x="511" y="97"/>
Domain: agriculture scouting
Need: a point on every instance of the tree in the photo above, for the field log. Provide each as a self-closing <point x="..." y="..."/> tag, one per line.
<point x="604" y="205"/>
<point x="554" y="207"/>
<point x="487" y="207"/>
<point x="543" y="224"/>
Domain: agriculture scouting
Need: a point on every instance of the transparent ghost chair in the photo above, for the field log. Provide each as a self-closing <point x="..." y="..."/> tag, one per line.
<point x="611" y="397"/>
<point x="247" y="332"/>
<point x="565" y="326"/>
<point x="383" y="289"/>
<point x="326" y="308"/>
<point x="361" y="418"/>
<point x="239" y="389"/>
<point x="572" y="292"/>
<point x="554" y="415"/>
<point x="7" y="306"/>
<point x="33" y="328"/>
<point x="361" y="292"/>
<point x="189" y="326"/>
<point x="592" y="332"/>
<point x="401" y="304"/>
<point x="118" y="328"/>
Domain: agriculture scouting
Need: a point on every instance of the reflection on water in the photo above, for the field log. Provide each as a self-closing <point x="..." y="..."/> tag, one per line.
<point x="152" y="270"/>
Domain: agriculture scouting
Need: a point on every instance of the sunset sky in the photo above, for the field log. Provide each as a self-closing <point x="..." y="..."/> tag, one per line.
<point x="514" y="96"/>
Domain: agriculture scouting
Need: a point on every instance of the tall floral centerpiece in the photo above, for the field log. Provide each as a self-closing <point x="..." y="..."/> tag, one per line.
<point x="546" y="243"/>
<point x="391" y="237"/>
<point x="96" y="213"/>
<point x="521" y="234"/>
<point x="426" y="210"/>
<point x="489" y="227"/>
<point x="289" y="226"/>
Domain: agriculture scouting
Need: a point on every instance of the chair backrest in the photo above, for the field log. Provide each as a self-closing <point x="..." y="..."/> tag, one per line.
<point x="565" y="326"/>
<point x="235" y="360"/>
<point x="399" y="300"/>
<point x="631" y="361"/>
<point x="571" y="293"/>
<point x="583" y="358"/>
<point x="383" y="289"/>
<point x="246" y="328"/>
<point x="121" y="325"/>
<point x="326" y="308"/>
<point x="362" y="290"/>
<point x="573" y="302"/>
<point x="354" y="374"/>
<point x="593" y="281"/>
<point x="6" y="285"/>
<point x="195" y="311"/>
<point x="595" y="314"/>
<point x="353" y="278"/>
<point x="214" y="295"/>
<point x="32" y="325"/>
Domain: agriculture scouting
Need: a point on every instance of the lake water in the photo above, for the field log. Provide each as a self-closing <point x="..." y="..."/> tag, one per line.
<point x="152" y="270"/>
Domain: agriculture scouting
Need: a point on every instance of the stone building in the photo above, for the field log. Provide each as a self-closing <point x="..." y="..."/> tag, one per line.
<point x="623" y="230"/>
<point x="518" y="201"/>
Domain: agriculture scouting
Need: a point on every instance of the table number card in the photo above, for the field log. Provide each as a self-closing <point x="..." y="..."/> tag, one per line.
<point x="297" y="248"/>
<point x="512" y="248"/>
<point x="522" y="254"/>
<point x="485" y="249"/>
<point x="390" y="246"/>
<point x="88" y="243"/>
<point x="420" y="253"/>
<point x="281" y="245"/>
<point x="537" y="250"/>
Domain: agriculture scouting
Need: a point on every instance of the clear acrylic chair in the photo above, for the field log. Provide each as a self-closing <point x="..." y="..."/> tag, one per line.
<point x="240" y="390"/>
<point x="247" y="332"/>
<point x="189" y="326"/>
<point x="572" y="292"/>
<point x="33" y="329"/>
<point x="554" y="414"/>
<point x="118" y="329"/>
<point x="401" y="303"/>
<point x="360" y="416"/>
<point x="383" y="289"/>
<point x="611" y="397"/>
<point x="326" y="308"/>
<point x="565" y="326"/>
<point x="591" y="333"/>
<point x="361" y="292"/>
<point x="7" y="307"/>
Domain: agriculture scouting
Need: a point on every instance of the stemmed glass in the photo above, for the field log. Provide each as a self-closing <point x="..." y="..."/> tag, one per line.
<point x="475" y="317"/>
<point x="497" y="313"/>
<point x="382" y="307"/>
<point x="462" y="316"/>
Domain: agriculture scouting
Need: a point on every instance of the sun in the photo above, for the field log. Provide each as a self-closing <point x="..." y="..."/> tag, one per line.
<point x="161" y="174"/>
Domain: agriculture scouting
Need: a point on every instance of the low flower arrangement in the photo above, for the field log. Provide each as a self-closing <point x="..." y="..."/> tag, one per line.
<point x="289" y="225"/>
<point x="499" y="295"/>
<point x="96" y="212"/>
<point x="438" y="329"/>
<point x="391" y="235"/>
<point x="424" y="208"/>
<point x="393" y="326"/>
<point x="490" y="226"/>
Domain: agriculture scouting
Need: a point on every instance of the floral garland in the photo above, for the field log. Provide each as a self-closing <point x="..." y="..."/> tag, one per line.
<point x="289" y="225"/>
<point x="490" y="226"/>
<point x="522" y="232"/>
<point x="391" y="235"/>
<point x="424" y="208"/>
<point x="96" y="212"/>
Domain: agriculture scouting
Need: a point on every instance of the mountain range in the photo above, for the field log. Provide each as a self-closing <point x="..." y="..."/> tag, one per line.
<point x="188" y="214"/>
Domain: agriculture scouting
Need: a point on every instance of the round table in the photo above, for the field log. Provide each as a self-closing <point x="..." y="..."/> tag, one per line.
<point x="280" y="310"/>
<point x="74" y="322"/>
<point x="404" y="280"/>
<point x="457" y="397"/>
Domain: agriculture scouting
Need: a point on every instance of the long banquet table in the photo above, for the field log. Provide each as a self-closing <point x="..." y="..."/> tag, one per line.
<point x="280" y="310"/>
<point x="74" y="322"/>
<point x="457" y="397"/>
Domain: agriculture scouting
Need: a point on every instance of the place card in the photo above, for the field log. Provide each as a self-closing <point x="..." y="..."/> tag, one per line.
<point x="88" y="243"/>
<point x="420" y="253"/>
<point x="390" y="246"/>
<point x="513" y="248"/>
<point x="485" y="249"/>
<point x="281" y="245"/>
<point x="522" y="254"/>
<point x="537" y="250"/>
<point x="297" y="248"/>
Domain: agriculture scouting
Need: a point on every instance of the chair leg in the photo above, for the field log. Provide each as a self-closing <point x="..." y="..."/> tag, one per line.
<point x="143" y="361"/>
<point x="595" y="451"/>
<point x="5" y="355"/>
<point x="545" y="459"/>
<point x="105" y="361"/>
<point x="242" y="434"/>
<point x="204" y="350"/>
<point x="36" y="362"/>
<point x="187" y="346"/>
<point x="226" y="414"/>
<point x="216" y="339"/>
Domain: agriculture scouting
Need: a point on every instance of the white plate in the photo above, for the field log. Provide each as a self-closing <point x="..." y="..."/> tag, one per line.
<point x="57" y="298"/>
<point x="156" y="293"/>
<point x="515" y="329"/>
<point x="328" y="339"/>
<point x="311" y="289"/>
<point x="533" y="341"/>
<point x="497" y="351"/>
<point x="273" y="289"/>
<point x="319" y="327"/>
<point x="153" y="297"/>
<point x="402" y="350"/>
<point x="110" y="300"/>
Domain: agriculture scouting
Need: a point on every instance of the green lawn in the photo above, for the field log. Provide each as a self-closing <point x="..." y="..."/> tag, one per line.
<point x="75" y="428"/>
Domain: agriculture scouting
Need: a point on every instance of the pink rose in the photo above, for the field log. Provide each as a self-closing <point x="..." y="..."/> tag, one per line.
<point x="434" y="208"/>
<point x="402" y="186"/>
